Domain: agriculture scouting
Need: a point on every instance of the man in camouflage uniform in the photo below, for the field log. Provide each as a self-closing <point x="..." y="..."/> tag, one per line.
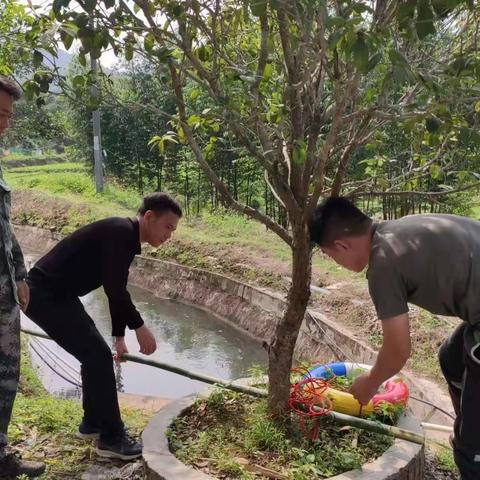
<point x="14" y="294"/>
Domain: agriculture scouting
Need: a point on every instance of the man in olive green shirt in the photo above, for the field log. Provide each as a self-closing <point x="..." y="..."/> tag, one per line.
<point x="432" y="261"/>
<point x="14" y="294"/>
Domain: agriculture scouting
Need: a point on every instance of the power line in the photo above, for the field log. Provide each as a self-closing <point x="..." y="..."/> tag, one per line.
<point x="53" y="369"/>
<point x="58" y="358"/>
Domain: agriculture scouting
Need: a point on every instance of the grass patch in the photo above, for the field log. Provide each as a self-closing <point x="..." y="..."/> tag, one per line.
<point x="53" y="179"/>
<point x="48" y="168"/>
<point x="49" y="156"/>
<point x="428" y="332"/>
<point x="229" y="434"/>
<point x="444" y="457"/>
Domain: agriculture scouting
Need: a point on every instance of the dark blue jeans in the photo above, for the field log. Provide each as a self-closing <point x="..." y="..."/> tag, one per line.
<point x="65" y="320"/>
<point x="460" y="362"/>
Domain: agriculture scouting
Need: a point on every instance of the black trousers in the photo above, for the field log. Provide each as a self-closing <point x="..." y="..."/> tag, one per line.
<point x="64" y="319"/>
<point x="460" y="362"/>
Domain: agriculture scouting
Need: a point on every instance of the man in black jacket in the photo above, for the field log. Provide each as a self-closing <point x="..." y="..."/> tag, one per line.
<point x="97" y="255"/>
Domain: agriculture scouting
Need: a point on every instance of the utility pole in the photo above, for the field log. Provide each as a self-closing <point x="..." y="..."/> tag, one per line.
<point x="97" y="134"/>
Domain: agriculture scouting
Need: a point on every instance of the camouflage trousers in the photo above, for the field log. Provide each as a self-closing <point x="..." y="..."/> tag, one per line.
<point x="9" y="368"/>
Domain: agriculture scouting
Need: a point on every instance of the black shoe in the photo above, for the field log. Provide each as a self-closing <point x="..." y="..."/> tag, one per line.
<point x="12" y="466"/>
<point x="87" y="431"/>
<point x="123" y="447"/>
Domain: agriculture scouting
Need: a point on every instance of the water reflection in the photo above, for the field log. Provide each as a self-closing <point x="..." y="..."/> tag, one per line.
<point x="186" y="336"/>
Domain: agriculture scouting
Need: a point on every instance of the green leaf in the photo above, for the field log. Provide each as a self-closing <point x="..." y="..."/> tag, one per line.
<point x="78" y="81"/>
<point x="274" y="4"/>
<point x="406" y="11"/>
<point x="270" y="45"/>
<point x="82" y="60"/>
<point x="90" y="5"/>
<point x="396" y="57"/>
<point x="66" y="38"/>
<point x="87" y="43"/>
<point x="58" y="5"/>
<point x="400" y="74"/>
<point x="258" y="7"/>
<point x="469" y="137"/>
<point x="149" y="42"/>
<point x="128" y="50"/>
<point x="37" y="58"/>
<point x="267" y="73"/>
<point x="335" y="22"/>
<point x="424" y="24"/>
<point x="194" y="94"/>
<point x="100" y="40"/>
<point x="204" y="53"/>
<point x="95" y="53"/>
<point x="443" y="8"/>
<point x="361" y="8"/>
<point x="181" y="135"/>
<point x="194" y="120"/>
<point x="373" y="61"/>
<point x="360" y="54"/>
<point x="299" y="154"/>
<point x="163" y="53"/>
<point x="433" y="124"/>
<point x="175" y="9"/>
<point x="435" y="171"/>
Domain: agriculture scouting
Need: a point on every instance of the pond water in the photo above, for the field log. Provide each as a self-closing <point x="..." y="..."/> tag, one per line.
<point x="186" y="336"/>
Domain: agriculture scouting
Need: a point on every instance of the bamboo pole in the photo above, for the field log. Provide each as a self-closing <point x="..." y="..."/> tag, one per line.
<point x="336" y="417"/>
<point x="255" y="392"/>
<point x="376" y="427"/>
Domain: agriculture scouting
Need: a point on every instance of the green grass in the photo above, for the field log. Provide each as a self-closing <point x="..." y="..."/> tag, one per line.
<point x="48" y="168"/>
<point x="444" y="457"/>
<point x="227" y="429"/>
<point x="428" y="333"/>
<point x="47" y="157"/>
<point x="72" y="185"/>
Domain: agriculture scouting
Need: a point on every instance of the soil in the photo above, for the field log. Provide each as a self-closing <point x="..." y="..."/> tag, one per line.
<point x="434" y="471"/>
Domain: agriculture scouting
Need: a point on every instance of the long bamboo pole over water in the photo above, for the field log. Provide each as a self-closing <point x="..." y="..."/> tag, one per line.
<point x="339" y="418"/>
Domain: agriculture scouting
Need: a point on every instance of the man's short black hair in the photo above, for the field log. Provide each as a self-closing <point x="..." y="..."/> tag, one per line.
<point x="9" y="86"/>
<point x="160" y="202"/>
<point x="334" y="218"/>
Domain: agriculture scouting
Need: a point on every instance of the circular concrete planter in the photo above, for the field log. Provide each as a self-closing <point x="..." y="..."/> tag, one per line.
<point x="402" y="461"/>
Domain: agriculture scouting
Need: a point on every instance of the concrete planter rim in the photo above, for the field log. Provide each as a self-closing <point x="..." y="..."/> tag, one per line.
<point x="162" y="464"/>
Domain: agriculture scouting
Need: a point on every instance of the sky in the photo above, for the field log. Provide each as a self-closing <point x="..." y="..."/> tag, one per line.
<point x="107" y="59"/>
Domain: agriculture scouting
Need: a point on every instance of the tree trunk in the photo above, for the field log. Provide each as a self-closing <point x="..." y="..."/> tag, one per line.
<point x="198" y="190"/>
<point x="140" y="175"/>
<point x="187" y="190"/>
<point x="159" y="173"/>
<point x="281" y="351"/>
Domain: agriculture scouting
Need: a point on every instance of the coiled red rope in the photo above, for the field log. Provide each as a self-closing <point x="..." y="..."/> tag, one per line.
<point x="308" y="402"/>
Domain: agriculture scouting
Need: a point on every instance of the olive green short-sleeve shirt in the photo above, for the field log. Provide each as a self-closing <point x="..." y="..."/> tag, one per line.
<point x="432" y="261"/>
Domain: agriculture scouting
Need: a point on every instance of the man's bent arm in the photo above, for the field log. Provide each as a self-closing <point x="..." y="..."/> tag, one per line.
<point x="395" y="350"/>
<point x="115" y="267"/>
<point x="392" y="357"/>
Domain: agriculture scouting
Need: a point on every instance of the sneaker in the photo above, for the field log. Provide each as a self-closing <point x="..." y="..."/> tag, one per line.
<point x="86" y="431"/>
<point x="123" y="447"/>
<point x="11" y="466"/>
